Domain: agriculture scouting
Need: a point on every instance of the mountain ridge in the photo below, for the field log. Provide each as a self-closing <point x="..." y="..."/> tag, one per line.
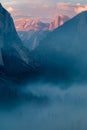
<point x="36" y="25"/>
<point x="62" y="54"/>
<point x="15" y="59"/>
<point x="32" y="32"/>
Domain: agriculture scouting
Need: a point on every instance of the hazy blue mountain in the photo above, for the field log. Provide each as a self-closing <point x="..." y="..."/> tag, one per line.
<point x="32" y="32"/>
<point x="31" y="39"/>
<point x="62" y="54"/>
<point x="15" y="59"/>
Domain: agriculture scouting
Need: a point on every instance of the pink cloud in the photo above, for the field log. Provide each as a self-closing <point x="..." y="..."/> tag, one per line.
<point x="45" y="11"/>
<point x="46" y="6"/>
<point x="64" y="6"/>
<point x="71" y="9"/>
<point x="80" y="8"/>
<point x="10" y="9"/>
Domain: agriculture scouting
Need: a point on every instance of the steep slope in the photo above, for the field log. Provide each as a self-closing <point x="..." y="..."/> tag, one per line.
<point x="62" y="54"/>
<point x="59" y="20"/>
<point x="31" y="39"/>
<point x="14" y="57"/>
<point x="27" y="25"/>
<point x="30" y="24"/>
<point x="32" y="32"/>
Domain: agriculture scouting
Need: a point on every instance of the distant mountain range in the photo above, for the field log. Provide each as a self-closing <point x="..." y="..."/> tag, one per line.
<point x="29" y="24"/>
<point x="60" y="55"/>
<point x="32" y="32"/>
<point x="59" y="20"/>
<point x="37" y="25"/>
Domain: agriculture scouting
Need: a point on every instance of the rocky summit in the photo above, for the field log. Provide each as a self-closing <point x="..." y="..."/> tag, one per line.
<point x="15" y="59"/>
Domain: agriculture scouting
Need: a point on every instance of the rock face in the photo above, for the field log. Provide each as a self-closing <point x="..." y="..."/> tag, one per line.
<point x="63" y="53"/>
<point x="36" y="25"/>
<point x="32" y="32"/>
<point x="14" y="57"/>
<point x="29" y="25"/>
<point x="59" y="20"/>
<point x="31" y="39"/>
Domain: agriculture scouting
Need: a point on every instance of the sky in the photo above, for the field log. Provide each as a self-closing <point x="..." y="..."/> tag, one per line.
<point x="45" y="10"/>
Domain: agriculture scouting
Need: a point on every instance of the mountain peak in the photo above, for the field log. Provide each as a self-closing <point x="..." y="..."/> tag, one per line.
<point x="31" y="24"/>
<point x="3" y="11"/>
<point x="84" y="12"/>
<point x="0" y="5"/>
<point x="12" y="50"/>
<point x="1" y="8"/>
<point x="59" y="20"/>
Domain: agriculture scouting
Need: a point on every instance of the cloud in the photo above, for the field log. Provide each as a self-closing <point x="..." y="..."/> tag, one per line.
<point x="43" y="9"/>
<point x="46" y="6"/>
<point x="10" y="9"/>
<point x="7" y="3"/>
<point x="64" y="6"/>
<point x="71" y="9"/>
<point x="80" y="8"/>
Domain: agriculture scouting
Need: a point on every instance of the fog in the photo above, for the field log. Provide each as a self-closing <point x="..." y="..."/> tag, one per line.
<point x="49" y="108"/>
